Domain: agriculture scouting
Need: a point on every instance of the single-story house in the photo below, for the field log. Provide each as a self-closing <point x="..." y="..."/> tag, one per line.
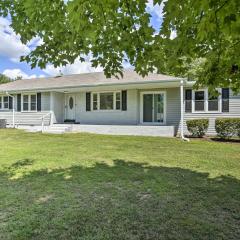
<point x="155" y="100"/>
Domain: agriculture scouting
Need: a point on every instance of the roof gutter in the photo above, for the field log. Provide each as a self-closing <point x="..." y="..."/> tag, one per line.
<point x="99" y="85"/>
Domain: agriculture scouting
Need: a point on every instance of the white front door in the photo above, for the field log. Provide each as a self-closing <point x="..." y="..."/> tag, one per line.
<point x="70" y="107"/>
<point x="153" y="108"/>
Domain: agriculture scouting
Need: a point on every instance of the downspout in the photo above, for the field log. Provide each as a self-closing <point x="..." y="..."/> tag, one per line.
<point x="13" y="109"/>
<point x="182" y="113"/>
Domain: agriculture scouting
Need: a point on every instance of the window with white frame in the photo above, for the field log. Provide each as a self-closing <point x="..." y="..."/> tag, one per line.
<point x="29" y="102"/>
<point x="204" y="101"/>
<point x="199" y="101"/>
<point x="4" y="102"/>
<point x="106" y="101"/>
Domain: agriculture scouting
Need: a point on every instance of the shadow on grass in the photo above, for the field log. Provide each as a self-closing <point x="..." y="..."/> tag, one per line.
<point x="124" y="201"/>
<point x="229" y="140"/>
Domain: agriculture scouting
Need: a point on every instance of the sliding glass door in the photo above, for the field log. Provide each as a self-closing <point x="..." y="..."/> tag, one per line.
<point x="153" y="108"/>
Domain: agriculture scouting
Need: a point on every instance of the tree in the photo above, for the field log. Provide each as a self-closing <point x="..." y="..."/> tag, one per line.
<point x="4" y="79"/>
<point x="117" y="30"/>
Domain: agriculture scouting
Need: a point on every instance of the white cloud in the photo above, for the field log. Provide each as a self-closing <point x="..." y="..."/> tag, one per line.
<point x="14" y="73"/>
<point x="11" y="46"/>
<point x="75" y="68"/>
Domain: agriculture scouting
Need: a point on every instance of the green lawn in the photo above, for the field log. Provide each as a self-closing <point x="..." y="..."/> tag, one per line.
<point x="84" y="186"/>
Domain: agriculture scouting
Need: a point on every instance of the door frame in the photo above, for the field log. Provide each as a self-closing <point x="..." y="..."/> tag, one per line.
<point x="67" y="96"/>
<point x="164" y="105"/>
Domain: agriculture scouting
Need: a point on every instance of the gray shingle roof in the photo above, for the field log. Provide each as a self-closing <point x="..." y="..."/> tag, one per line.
<point x="82" y="80"/>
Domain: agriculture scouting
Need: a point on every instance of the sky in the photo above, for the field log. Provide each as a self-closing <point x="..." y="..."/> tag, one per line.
<point x="11" y="48"/>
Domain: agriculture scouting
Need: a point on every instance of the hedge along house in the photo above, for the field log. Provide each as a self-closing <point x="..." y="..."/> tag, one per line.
<point x="157" y="103"/>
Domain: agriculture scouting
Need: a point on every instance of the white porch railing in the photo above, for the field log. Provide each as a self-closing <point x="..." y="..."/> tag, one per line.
<point x="43" y="117"/>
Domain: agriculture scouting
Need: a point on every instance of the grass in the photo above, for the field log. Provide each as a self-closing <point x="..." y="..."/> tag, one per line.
<point x="84" y="186"/>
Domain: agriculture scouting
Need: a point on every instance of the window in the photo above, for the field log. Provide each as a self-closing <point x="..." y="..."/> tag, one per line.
<point x="199" y="101"/>
<point x="95" y="101"/>
<point x="29" y="102"/>
<point x="188" y="100"/>
<point x="118" y="101"/>
<point x="5" y="102"/>
<point x="25" y="102"/>
<point x="213" y="104"/>
<point x="0" y="102"/>
<point x="204" y="101"/>
<point x="33" y="102"/>
<point x="106" y="101"/>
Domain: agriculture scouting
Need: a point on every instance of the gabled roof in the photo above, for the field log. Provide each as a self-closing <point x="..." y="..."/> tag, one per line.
<point x="83" y="80"/>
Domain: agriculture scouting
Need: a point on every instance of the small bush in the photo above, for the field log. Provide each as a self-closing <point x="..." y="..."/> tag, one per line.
<point x="198" y="127"/>
<point x="238" y="127"/>
<point x="227" y="127"/>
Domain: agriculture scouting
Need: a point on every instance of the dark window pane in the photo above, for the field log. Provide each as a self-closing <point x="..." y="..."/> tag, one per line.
<point x="25" y="103"/>
<point x="106" y="101"/>
<point x="199" y="95"/>
<point x="5" y="102"/>
<point x="25" y="106"/>
<point x="147" y="107"/>
<point x="199" y="101"/>
<point x="199" y="105"/>
<point x="213" y="105"/>
<point x="188" y="105"/>
<point x="118" y="105"/>
<point x="188" y="94"/>
<point x="33" y="102"/>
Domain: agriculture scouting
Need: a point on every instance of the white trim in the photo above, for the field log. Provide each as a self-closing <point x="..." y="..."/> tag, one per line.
<point x="2" y="102"/>
<point x="29" y="102"/>
<point x="3" y="107"/>
<point x="164" y="105"/>
<point x="206" y="94"/>
<point x="114" y="101"/>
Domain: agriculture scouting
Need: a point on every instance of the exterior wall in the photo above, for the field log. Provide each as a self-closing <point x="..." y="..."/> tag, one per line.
<point x="28" y="118"/>
<point x="130" y="116"/>
<point x="234" y="111"/>
<point x="45" y="101"/>
<point x="25" y="118"/>
<point x="55" y="102"/>
<point x="173" y="108"/>
<point x="57" y="107"/>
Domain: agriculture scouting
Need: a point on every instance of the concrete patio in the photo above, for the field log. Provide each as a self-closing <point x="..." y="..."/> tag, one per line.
<point x="134" y="130"/>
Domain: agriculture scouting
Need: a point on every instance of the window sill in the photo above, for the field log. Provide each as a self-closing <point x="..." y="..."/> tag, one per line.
<point x="107" y="111"/>
<point x="208" y="112"/>
<point x="29" y="111"/>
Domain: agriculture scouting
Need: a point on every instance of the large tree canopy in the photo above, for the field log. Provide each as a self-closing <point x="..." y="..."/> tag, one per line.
<point x="4" y="79"/>
<point x="206" y="47"/>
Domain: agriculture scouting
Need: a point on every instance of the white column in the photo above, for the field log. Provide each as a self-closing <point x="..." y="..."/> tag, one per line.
<point x="13" y="108"/>
<point x="182" y="109"/>
<point x="52" y="119"/>
<point x="13" y="111"/>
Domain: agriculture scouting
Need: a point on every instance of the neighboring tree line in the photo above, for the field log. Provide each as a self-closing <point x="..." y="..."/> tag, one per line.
<point x="206" y="46"/>
<point x="5" y="79"/>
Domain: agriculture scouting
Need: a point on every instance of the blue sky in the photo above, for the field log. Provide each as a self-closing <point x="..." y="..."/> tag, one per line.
<point x="11" y="49"/>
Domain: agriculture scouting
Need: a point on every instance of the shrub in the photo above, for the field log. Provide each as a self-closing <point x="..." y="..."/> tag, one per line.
<point x="198" y="127"/>
<point x="227" y="127"/>
<point x="238" y="127"/>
